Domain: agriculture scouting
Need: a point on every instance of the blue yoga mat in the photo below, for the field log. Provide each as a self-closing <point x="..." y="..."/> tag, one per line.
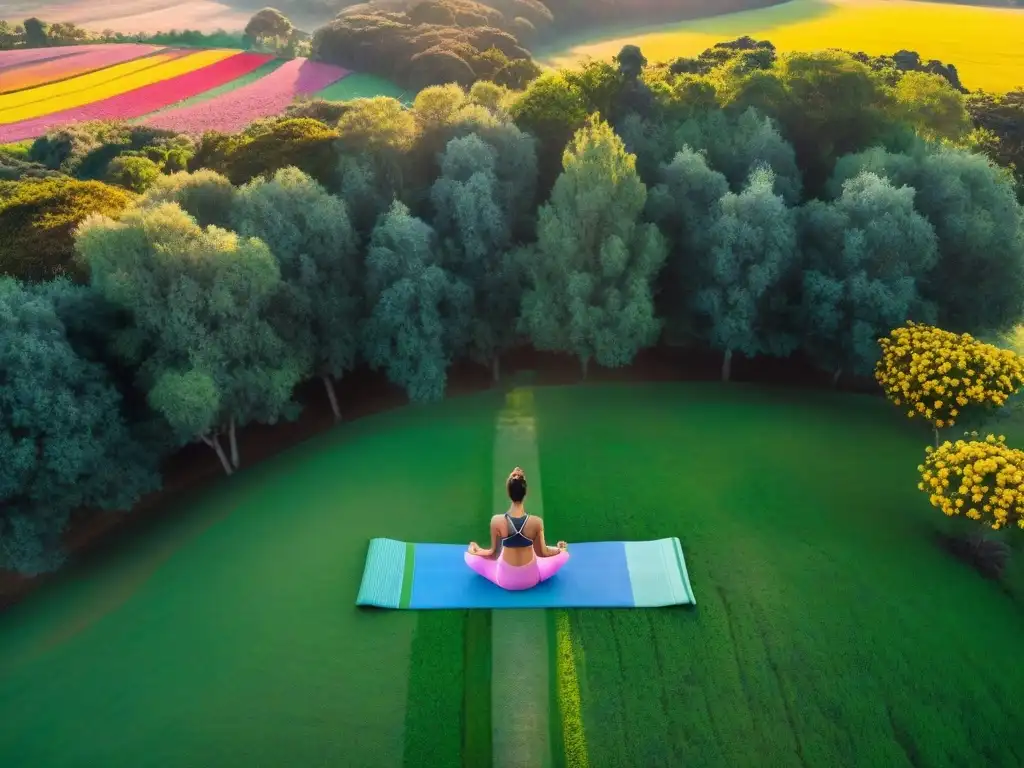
<point x="606" y="574"/>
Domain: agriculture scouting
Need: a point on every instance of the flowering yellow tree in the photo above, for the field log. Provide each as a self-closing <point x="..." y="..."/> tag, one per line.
<point x="936" y="374"/>
<point x="981" y="479"/>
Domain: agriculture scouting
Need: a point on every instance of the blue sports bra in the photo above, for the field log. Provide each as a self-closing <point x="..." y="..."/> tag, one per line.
<point x="517" y="539"/>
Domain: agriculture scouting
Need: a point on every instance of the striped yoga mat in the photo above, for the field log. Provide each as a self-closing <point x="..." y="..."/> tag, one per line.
<point x="603" y="574"/>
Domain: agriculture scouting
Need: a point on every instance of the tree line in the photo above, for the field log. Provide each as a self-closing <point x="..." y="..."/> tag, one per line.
<point x="163" y="290"/>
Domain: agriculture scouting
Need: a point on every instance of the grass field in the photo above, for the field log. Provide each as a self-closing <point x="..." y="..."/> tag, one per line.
<point x="983" y="43"/>
<point x="829" y="628"/>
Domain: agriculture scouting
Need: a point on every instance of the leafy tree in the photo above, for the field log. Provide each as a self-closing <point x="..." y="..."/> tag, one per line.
<point x="205" y="195"/>
<point x="930" y="104"/>
<point x="827" y="104"/>
<point x="999" y="119"/>
<point x="135" y="174"/>
<point x="201" y="337"/>
<point x="64" y="443"/>
<point x="553" y="107"/>
<point x="738" y="145"/>
<point x="590" y="275"/>
<point x="269" y="25"/>
<point x="376" y="139"/>
<point x="310" y="235"/>
<point x="986" y="487"/>
<point x="753" y="253"/>
<point x="940" y="376"/>
<point x="685" y="205"/>
<point x="980" y="228"/>
<point x="863" y="254"/>
<point x="301" y="142"/>
<point x="474" y="216"/>
<point x="37" y="222"/>
<point x="36" y="33"/>
<point x="419" y="314"/>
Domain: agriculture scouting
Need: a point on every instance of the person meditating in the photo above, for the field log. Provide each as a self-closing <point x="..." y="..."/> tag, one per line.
<point x="524" y="560"/>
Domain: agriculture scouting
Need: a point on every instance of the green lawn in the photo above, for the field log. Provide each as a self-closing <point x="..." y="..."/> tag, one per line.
<point x="360" y="85"/>
<point x="829" y="625"/>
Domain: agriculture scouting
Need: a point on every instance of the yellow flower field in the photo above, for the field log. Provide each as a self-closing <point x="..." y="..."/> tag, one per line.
<point x="112" y="81"/>
<point x="985" y="44"/>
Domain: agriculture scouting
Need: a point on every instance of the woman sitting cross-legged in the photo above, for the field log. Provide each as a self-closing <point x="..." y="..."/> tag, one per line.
<point x="524" y="560"/>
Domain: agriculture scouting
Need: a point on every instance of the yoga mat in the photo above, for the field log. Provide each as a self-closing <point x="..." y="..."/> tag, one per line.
<point x="602" y="574"/>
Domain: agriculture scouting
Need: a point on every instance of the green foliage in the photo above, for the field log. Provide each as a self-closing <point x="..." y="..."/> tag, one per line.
<point x="310" y="235"/>
<point x="590" y="275"/>
<point x="976" y="284"/>
<point x="135" y="174"/>
<point x="37" y="222"/>
<point x="999" y="130"/>
<point x="931" y="106"/>
<point x="420" y="314"/>
<point x="753" y="254"/>
<point x="301" y="142"/>
<point x="431" y="43"/>
<point x="199" y="301"/>
<point x="85" y="150"/>
<point x="475" y="203"/>
<point x="863" y="256"/>
<point x="685" y="207"/>
<point x="827" y="104"/>
<point x="64" y="442"/>
<point x="205" y="195"/>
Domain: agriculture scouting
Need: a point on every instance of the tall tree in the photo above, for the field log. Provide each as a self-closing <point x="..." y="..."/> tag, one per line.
<point x="309" y="232"/>
<point x="37" y="33"/>
<point x="737" y="145"/>
<point x="685" y="205"/>
<point x="977" y="284"/>
<point x="420" y="313"/>
<point x="863" y="254"/>
<point x="64" y="443"/>
<point x="473" y="217"/>
<point x="199" y="300"/>
<point x="205" y="195"/>
<point x="753" y="253"/>
<point x="590" y="275"/>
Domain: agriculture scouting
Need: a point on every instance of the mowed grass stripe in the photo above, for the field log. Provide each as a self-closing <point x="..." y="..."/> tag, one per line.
<point x="826" y="606"/>
<point x="443" y="678"/>
<point x="567" y="733"/>
<point x="476" y="713"/>
<point x="164" y="71"/>
<point x="519" y="638"/>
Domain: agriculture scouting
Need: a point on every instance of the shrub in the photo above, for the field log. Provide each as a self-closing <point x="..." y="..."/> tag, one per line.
<point x="38" y="218"/>
<point x="980" y="479"/>
<point x="935" y="374"/>
<point x="134" y="173"/>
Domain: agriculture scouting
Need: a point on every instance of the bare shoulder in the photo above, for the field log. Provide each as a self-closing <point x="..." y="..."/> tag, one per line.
<point x="497" y="520"/>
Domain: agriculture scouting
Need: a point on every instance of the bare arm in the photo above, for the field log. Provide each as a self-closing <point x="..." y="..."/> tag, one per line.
<point x="474" y="548"/>
<point x="540" y="547"/>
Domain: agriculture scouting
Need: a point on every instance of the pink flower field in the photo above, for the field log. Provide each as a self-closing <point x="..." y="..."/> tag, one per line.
<point x="92" y="58"/>
<point x="19" y="58"/>
<point x="233" y="111"/>
<point x="147" y="99"/>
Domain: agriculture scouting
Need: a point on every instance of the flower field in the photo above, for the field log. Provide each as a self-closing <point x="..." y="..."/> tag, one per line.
<point x="51" y="70"/>
<point x="267" y="96"/>
<point x="984" y="43"/>
<point x="141" y="101"/>
<point x="187" y="90"/>
<point x="13" y="59"/>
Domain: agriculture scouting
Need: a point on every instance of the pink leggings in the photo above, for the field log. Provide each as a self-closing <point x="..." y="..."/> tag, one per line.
<point x="517" y="576"/>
